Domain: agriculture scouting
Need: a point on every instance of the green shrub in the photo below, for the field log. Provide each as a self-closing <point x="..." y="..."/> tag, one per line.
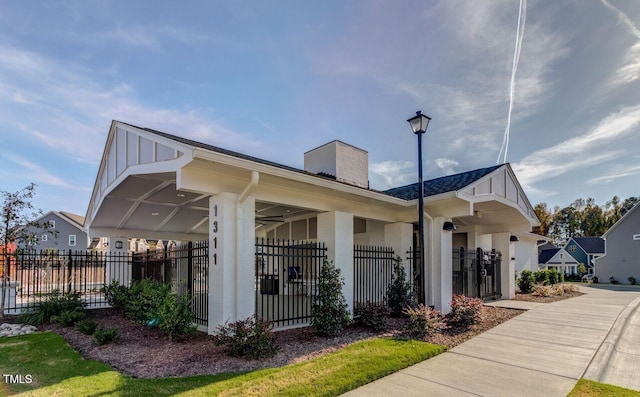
<point x="372" y="316"/>
<point x="175" y="316"/>
<point x="53" y="304"/>
<point x="144" y="299"/>
<point x="632" y="280"/>
<point x="399" y="293"/>
<point x="423" y="321"/>
<point x="103" y="336"/>
<point x="554" y="276"/>
<point x="251" y="338"/>
<point x="465" y="311"/>
<point x="526" y="281"/>
<point x="329" y="307"/>
<point x="117" y="295"/>
<point x="87" y="327"/>
<point x="541" y="277"/>
<point x="68" y="319"/>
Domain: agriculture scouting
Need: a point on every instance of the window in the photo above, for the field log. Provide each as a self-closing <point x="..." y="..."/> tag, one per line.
<point x="572" y="248"/>
<point x="72" y="240"/>
<point x="43" y="237"/>
<point x="52" y="224"/>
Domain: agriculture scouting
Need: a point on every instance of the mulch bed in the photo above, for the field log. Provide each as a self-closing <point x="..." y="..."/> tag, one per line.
<point x="146" y="353"/>
<point x="545" y="299"/>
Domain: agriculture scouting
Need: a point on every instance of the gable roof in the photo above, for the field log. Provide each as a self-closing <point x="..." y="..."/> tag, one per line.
<point x="623" y="219"/>
<point x="590" y="245"/>
<point x="432" y="187"/>
<point x="556" y="256"/>
<point x="546" y="255"/>
<point x="440" y="185"/>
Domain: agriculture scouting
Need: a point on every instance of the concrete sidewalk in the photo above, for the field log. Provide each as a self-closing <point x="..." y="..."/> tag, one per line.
<point x="542" y="352"/>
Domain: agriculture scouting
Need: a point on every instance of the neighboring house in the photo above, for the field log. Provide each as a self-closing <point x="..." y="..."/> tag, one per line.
<point x="558" y="259"/>
<point x="64" y="231"/>
<point x="585" y="249"/>
<point x="622" y="243"/>
<point x="155" y="185"/>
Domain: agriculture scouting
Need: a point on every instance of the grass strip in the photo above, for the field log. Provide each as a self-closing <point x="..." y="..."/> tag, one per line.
<point x="589" y="388"/>
<point x="56" y="369"/>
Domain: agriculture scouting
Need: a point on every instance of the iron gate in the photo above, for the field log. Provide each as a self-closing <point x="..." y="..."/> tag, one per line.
<point x="286" y="277"/>
<point x="477" y="273"/>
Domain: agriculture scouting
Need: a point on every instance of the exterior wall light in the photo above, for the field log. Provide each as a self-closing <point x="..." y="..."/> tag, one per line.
<point x="448" y="226"/>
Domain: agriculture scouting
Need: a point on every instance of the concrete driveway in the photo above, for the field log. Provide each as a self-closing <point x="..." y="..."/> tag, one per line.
<point x="542" y="352"/>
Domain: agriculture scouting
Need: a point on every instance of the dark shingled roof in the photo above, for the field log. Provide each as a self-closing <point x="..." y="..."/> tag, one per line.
<point x="591" y="245"/>
<point x="450" y="183"/>
<point x="546" y="255"/>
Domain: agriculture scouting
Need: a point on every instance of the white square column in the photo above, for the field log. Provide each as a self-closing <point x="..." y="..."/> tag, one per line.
<point x="231" y="259"/>
<point x="441" y="282"/>
<point x="502" y="242"/>
<point x="335" y="229"/>
<point x="399" y="236"/>
<point x="118" y="265"/>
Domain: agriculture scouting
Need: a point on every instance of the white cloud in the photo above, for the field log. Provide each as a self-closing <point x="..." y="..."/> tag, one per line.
<point x="594" y="147"/>
<point x="37" y="173"/>
<point x="619" y="172"/>
<point x="72" y="114"/>
<point x="624" y="19"/>
<point x="393" y="173"/>
<point x="447" y="165"/>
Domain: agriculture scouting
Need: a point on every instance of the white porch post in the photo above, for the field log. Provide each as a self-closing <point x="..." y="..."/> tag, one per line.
<point x="335" y="229"/>
<point x="231" y="264"/>
<point x="442" y="281"/>
<point x="399" y="236"/>
<point x="118" y="270"/>
<point x="502" y="243"/>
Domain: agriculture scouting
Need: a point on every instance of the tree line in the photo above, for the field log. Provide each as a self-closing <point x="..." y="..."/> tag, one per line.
<point x="582" y="218"/>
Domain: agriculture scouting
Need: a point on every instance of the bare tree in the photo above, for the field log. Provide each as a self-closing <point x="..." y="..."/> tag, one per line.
<point x="18" y="221"/>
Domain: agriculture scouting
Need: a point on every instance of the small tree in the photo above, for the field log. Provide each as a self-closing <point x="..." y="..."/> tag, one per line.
<point x="399" y="294"/>
<point x="18" y="221"/>
<point x="329" y="308"/>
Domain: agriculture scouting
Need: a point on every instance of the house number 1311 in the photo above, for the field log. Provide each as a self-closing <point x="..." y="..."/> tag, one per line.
<point x="214" y="231"/>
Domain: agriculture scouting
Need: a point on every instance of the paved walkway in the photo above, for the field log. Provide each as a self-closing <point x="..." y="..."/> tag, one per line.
<point x="542" y="352"/>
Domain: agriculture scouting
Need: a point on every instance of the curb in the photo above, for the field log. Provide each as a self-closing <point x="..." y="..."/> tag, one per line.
<point x="599" y="364"/>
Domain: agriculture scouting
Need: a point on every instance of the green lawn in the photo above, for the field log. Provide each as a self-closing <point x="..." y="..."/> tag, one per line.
<point x="58" y="370"/>
<point x="589" y="388"/>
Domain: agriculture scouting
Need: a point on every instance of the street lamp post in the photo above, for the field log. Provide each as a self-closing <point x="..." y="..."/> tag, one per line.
<point x="419" y="124"/>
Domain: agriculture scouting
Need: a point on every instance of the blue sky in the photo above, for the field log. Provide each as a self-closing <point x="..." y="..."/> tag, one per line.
<point x="276" y="78"/>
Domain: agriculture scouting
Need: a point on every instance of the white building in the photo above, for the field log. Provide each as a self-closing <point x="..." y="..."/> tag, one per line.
<point x="158" y="186"/>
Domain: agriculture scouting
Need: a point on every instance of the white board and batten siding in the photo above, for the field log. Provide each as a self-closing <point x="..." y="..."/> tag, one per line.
<point x="503" y="184"/>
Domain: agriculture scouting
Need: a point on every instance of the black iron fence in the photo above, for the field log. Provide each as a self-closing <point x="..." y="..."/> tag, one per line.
<point x="476" y="273"/>
<point x="34" y="275"/>
<point x="286" y="278"/>
<point x="372" y="274"/>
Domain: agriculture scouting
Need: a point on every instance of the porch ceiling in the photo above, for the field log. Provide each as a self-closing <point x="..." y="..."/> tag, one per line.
<point x="150" y="206"/>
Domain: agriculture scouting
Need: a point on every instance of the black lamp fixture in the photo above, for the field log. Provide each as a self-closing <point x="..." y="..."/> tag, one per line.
<point x="419" y="124"/>
<point x="448" y="226"/>
<point x="514" y="238"/>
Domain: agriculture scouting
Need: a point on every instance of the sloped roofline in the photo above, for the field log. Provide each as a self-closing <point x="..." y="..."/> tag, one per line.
<point x="624" y="217"/>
